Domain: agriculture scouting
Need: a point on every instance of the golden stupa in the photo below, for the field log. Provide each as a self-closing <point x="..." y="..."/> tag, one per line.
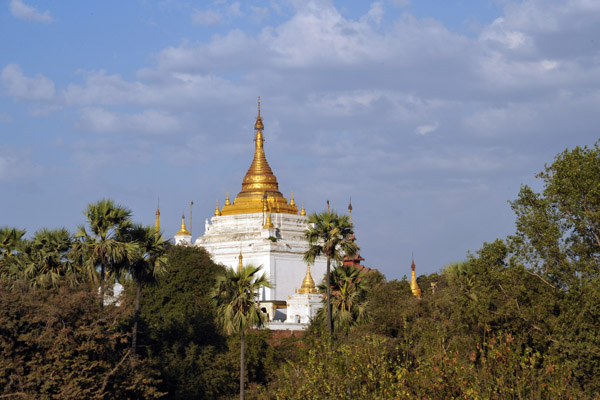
<point x="308" y="284"/>
<point x="183" y="230"/>
<point x="414" y="286"/>
<point x="260" y="189"/>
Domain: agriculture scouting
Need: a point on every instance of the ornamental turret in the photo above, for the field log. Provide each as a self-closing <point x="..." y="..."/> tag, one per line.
<point x="414" y="286"/>
<point x="183" y="236"/>
<point x="157" y="224"/>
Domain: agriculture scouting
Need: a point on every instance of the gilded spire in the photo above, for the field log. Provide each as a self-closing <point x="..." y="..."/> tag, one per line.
<point x="191" y="205"/>
<point x="303" y="211"/>
<point x="268" y="224"/>
<point x="350" y="210"/>
<point x="258" y="181"/>
<point x="258" y="125"/>
<point x="292" y="202"/>
<point x="183" y="231"/>
<point x="217" y="211"/>
<point x="308" y="284"/>
<point x="414" y="286"/>
<point x="157" y="225"/>
<point x="227" y="202"/>
<point x="240" y="261"/>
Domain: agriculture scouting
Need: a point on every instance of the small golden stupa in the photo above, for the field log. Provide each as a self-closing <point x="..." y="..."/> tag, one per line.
<point x="183" y="231"/>
<point x="308" y="284"/>
<point x="414" y="286"/>
<point x="157" y="224"/>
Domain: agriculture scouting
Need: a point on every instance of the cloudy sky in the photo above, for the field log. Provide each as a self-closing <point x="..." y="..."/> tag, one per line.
<point x="429" y="114"/>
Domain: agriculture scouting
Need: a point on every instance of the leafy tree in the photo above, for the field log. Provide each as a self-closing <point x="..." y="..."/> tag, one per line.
<point x="329" y="234"/>
<point x="235" y="295"/>
<point x="364" y="368"/>
<point x="178" y="331"/>
<point x="102" y="245"/>
<point x="145" y="264"/>
<point x="558" y="230"/>
<point x="348" y="298"/>
<point x="558" y="241"/>
<point x="57" y="343"/>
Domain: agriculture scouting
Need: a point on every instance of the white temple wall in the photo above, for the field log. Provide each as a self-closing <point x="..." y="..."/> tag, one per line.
<point x="282" y="259"/>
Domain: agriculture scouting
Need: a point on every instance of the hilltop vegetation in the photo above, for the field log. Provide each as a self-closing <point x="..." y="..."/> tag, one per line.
<point x="519" y="318"/>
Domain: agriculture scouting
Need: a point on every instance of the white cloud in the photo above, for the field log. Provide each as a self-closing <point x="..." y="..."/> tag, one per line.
<point x="216" y="17"/>
<point x="498" y="32"/>
<point x="512" y="120"/>
<point x="101" y="154"/>
<point x="103" y="89"/>
<point x="426" y="129"/>
<point x="147" y="122"/>
<point x="21" y="87"/>
<point x="16" y="165"/>
<point x="234" y="10"/>
<point x="22" y="11"/>
<point x="258" y="14"/>
<point x="156" y="89"/>
<point x="207" y="17"/>
<point x="375" y="13"/>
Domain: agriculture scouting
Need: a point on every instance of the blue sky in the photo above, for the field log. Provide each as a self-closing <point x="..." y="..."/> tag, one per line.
<point x="429" y="114"/>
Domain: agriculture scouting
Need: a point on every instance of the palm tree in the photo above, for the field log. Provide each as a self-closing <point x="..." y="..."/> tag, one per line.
<point x="11" y="243"/>
<point x="329" y="234"/>
<point x="235" y="296"/>
<point x="348" y="298"/>
<point x="102" y="247"/>
<point x="46" y="257"/>
<point x="10" y="240"/>
<point x="145" y="264"/>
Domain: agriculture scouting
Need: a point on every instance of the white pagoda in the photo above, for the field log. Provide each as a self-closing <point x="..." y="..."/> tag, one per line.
<point x="268" y="230"/>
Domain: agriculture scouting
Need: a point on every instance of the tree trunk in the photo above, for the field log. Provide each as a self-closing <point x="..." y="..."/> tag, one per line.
<point x="242" y="366"/>
<point x="136" y="317"/>
<point x="102" y="273"/>
<point x="329" y="321"/>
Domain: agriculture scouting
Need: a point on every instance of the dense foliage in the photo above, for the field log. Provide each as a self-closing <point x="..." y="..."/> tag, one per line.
<point x="517" y="319"/>
<point x="59" y="344"/>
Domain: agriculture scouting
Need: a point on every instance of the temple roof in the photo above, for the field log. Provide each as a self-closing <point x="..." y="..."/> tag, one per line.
<point x="259" y="186"/>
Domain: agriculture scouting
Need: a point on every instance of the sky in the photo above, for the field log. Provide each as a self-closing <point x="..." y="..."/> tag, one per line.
<point x="428" y="114"/>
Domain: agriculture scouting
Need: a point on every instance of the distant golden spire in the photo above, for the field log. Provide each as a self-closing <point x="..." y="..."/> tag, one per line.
<point x="350" y="210"/>
<point x="183" y="230"/>
<point x="240" y="261"/>
<point x="217" y="211"/>
<point x="157" y="225"/>
<point x="414" y="286"/>
<point x="303" y="211"/>
<point x="227" y="202"/>
<point x="258" y="125"/>
<point x="308" y="284"/>
<point x="191" y="205"/>
<point x="292" y="202"/>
